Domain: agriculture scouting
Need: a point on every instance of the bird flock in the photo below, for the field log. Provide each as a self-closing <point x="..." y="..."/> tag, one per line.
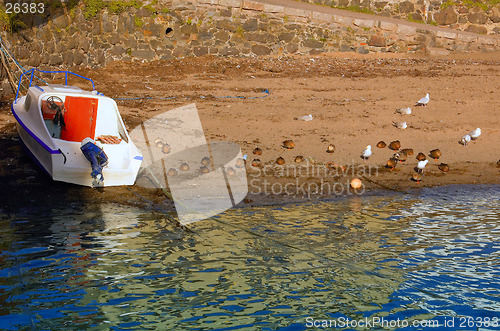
<point x="399" y="155"/>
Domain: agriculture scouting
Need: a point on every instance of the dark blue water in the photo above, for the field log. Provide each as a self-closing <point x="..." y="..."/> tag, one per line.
<point x="409" y="262"/>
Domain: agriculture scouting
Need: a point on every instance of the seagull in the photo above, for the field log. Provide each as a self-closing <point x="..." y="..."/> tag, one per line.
<point x="400" y="125"/>
<point x="421" y="165"/>
<point x="306" y="118"/>
<point x="475" y="134"/>
<point x="366" y="153"/>
<point x="465" y="139"/>
<point x="423" y="101"/>
<point x="404" y="111"/>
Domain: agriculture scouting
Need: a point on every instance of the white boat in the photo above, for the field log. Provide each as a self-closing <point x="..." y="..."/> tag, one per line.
<point x="75" y="136"/>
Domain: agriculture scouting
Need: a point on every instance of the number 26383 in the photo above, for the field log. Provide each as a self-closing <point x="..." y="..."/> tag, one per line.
<point x="24" y="8"/>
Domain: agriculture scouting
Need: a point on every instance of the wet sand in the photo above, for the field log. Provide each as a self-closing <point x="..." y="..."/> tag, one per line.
<point x="351" y="97"/>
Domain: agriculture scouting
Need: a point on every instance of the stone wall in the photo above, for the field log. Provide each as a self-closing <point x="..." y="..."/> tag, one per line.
<point x="222" y="28"/>
<point x="477" y="16"/>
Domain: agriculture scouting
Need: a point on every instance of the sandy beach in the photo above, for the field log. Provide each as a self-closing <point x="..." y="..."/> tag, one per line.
<point x="352" y="99"/>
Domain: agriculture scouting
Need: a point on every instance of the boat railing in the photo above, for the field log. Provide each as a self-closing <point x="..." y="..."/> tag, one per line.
<point x="32" y="75"/>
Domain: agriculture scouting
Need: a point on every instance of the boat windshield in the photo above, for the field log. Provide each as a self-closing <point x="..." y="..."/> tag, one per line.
<point x="27" y="102"/>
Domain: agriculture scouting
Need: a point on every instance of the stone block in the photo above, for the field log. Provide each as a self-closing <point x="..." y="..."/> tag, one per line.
<point x="476" y="29"/>
<point x="230" y="3"/>
<point x="406" y="29"/>
<point x="477" y="18"/>
<point x="298" y="12"/>
<point x="387" y="26"/>
<point x="312" y="43"/>
<point x="466" y="38"/>
<point x="445" y="16"/>
<point x="342" y="20"/>
<point x="438" y="51"/>
<point x="406" y="7"/>
<point x="286" y="37"/>
<point x="268" y="8"/>
<point x="251" y="25"/>
<point x="446" y="34"/>
<point x="260" y="50"/>
<point x="229" y="51"/>
<point x="363" y="23"/>
<point x="55" y="60"/>
<point x="252" y="5"/>
<point x="200" y="50"/>
<point x="486" y="40"/>
<point x="377" y="40"/>
<point x="322" y="17"/>
<point x="145" y="54"/>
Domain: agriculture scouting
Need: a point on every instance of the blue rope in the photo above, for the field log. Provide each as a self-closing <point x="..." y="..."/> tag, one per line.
<point x="266" y="91"/>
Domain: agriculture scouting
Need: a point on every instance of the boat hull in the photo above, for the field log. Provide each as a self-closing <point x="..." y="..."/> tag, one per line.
<point x="63" y="160"/>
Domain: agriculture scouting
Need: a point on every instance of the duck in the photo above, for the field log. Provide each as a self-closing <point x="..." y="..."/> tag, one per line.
<point x="366" y="153"/>
<point x="416" y="177"/>
<point x="401" y="157"/>
<point x="435" y="154"/>
<point x="205" y="161"/>
<point x="204" y="170"/>
<point x="184" y="167"/>
<point x="421" y="157"/>
<point x="475" y="134"/>
<point x="158" y="142"/>
<point x="280" y="161"/>
<point x="421" y="165"/>
<point x="257" y="151"/>
<point x="444" y="167"/>
<point x="381" y="144"/>
<point x="407" y="151"/>
<point x="395" y="145"/>
<point x="172" y="172"/>
<point x="230" y="171"/>
<point x="165" y="148"/>
<point x="240" y="162"/>
<point x="330" y="148"/>
<point x="391" y="163"/>
<point x="256" y="163"/>
<point x="288" y="144"/>
<point x="424" y="101"/>
<point x="299" y="159"/>
<point x="465" y="140"/>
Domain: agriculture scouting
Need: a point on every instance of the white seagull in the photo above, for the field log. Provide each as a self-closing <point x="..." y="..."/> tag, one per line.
<point x="404" y="111"/>
<point x="475" y="133"/>
<point x="306" y="118"/>
<point x="400" y="125"/>
<point x="366" y="153"/>
<point x="421" y="165"/>
<point x="423" y="101"/>
<point x="465" y="140"/>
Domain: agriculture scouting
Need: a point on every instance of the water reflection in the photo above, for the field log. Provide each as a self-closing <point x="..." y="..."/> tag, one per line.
<point x="110" y="266"/>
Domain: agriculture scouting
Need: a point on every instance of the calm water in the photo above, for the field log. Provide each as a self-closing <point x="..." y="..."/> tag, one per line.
<point x="432" y="256"/>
